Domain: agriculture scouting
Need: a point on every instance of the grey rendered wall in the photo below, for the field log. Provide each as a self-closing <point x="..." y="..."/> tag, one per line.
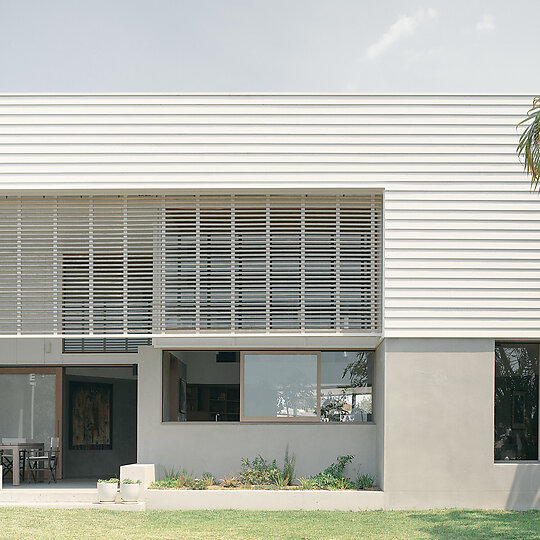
<point x="26" y="351"/>
<point x="218" y="447"/>
<point x="438" y="446"/>
<point x="380" y="358"/>
<point x="103" y="463"/>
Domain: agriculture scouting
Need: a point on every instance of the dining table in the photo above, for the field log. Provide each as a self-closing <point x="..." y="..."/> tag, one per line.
<point x="16" y="448"/>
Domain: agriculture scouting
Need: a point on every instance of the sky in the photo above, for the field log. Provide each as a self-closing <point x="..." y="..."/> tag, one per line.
<point x="374" y="46"/>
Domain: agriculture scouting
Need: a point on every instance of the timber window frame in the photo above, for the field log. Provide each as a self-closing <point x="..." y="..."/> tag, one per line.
<point x="369" y="418"/>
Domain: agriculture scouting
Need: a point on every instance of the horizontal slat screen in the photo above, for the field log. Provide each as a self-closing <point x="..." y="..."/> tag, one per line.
<point x="153" y="265"/>
<point x="105" y="345"/>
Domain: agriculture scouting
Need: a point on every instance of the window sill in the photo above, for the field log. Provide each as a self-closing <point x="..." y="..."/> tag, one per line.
<point x="517" y="462"/>
<point x="272" y="423"/>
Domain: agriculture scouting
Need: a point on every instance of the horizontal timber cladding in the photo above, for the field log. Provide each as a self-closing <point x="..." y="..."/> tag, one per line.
<point x="461" y="226"/>
<point x="142" y="265"/>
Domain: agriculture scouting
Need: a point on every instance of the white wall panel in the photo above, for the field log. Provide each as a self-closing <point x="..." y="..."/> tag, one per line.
<point x="462" y="229"/>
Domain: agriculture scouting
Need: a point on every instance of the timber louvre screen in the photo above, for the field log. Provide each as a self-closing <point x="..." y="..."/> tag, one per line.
<point x="150" y="265"/>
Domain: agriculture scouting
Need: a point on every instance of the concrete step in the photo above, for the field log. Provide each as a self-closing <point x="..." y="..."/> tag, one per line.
<point x="122" y="507"/>
<point x="27" y="496"/>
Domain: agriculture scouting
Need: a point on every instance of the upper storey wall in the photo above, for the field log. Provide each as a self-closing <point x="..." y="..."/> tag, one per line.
<point x="462" y="235"/>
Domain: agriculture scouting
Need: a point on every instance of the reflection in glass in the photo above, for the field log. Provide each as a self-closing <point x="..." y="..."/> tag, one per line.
<point x="346" y="386"/>
<point x="28" y="405"/>
<point x="280" y="385"/>
<point x="516" y="401"/>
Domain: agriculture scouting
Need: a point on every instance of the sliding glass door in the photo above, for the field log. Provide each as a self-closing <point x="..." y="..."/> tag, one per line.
<point x="30" y="404"/>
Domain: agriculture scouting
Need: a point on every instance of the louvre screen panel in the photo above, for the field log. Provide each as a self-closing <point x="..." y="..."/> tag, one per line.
<point x="103" y="345"/>
<point x="113" y="267"/>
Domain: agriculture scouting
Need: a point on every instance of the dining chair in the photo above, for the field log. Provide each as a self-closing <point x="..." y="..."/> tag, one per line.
<point x="47" y="462"/>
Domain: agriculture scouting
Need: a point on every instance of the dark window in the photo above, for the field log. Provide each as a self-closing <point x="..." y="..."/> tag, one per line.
<point x="516" y="401"/>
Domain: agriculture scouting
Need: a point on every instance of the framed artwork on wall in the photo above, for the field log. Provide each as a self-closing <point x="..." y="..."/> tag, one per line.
<point x="90" y="416"/>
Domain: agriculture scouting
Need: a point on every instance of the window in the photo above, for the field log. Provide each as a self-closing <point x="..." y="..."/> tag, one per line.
<point x="346" y="386"/>
<point x="516" y="401"/>
<point x="308" y="386"/>
<point x="201" y="386"/>
<point x="280" y="385"/>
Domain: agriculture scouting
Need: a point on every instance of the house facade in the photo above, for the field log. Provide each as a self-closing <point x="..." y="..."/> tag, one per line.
<point x="188" y="280"/>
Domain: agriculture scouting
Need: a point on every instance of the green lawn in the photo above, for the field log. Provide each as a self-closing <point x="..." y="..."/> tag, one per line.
<point x="230" y="524"/>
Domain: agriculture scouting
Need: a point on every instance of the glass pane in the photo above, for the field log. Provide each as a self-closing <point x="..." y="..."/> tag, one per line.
<point x="201" y="386"/>
<point x="280" y="385"/>
<point x="346" y="386"/>
<point x="516" y="401"/>
<point x="28" y="405"/>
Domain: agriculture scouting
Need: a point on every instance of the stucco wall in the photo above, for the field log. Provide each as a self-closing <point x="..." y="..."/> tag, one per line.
<point x="218" y="447"/>
<point x="438" y="445"/>
<point x="48" y="351"/>
<point x="379" y="393"/>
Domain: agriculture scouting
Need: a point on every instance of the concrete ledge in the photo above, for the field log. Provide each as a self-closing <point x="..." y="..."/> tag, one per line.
<point x="262" y="500"/>
<point x="145" y="473"/>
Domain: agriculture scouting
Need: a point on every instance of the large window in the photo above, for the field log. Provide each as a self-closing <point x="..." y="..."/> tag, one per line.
<point x="516" y="401"/>
<point x="279" y="386"/>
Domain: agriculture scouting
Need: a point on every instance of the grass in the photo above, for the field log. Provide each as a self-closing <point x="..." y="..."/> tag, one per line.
<point x="230" y="524"/>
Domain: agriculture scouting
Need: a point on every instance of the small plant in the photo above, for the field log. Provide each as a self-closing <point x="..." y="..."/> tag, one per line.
<point x="130" y="481"/>
<point x="259" y="472"/>
<point x="332" y="477"/>
<point x="307" y="482"/>
<point x="170" y="474"/>
<point x="365" y="481"/>
<point x="208" y="479"/>
<point x="338" y="467"/>
<point x="289" y="465"/>
<point x="282" y="481"/>
<point x="199" y="483"/>
<point x="230" y="482"/>
<point x="109" y="481"/>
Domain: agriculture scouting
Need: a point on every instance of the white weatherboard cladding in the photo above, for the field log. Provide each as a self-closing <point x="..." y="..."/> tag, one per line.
<point x="461" y="227"/>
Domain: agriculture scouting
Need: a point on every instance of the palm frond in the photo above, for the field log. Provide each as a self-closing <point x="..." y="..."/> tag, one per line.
<point x="528" y="148"/>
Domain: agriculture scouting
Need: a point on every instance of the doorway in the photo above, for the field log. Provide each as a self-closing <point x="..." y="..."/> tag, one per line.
<point x="99" y="420"/>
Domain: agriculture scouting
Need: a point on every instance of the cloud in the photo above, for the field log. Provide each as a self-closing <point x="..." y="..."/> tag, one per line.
<point x="486" y="23"/>
<point x="404" y="26"/>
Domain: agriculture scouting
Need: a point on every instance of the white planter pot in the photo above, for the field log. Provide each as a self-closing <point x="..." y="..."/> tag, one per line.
<point x="130" y="492"/>
<point x="107" y="492"/>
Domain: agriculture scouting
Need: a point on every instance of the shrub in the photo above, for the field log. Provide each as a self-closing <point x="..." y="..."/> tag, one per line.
<point x="109" y="481"/>
<point x="199" y="483"/>
<point x="289" y="464"/>
<point x="338" y="467"/>
<point x="307" y="482"/>
<point x="332" y="477"/>
<point x="174" y="480"/>
<point x="365" y="481"/>
<point x="230" y="482"/>
<point x="208" y="479"/>
<point x="259" y="472"/>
